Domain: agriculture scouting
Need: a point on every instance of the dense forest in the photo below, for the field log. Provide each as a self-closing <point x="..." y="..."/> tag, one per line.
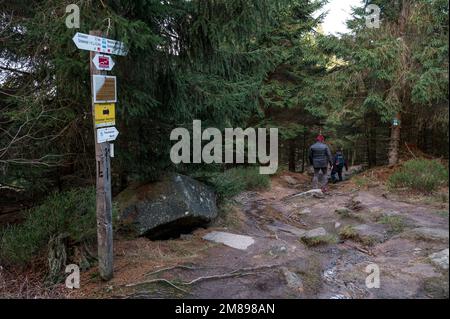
<point x="228" y="63"/>
<point x="376" y="93"/>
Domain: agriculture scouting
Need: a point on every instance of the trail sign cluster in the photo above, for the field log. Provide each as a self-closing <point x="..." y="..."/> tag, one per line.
<point x="104" y="97"/>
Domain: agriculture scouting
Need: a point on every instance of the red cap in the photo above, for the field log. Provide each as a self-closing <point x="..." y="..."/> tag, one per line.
<point x="320" y="138"/>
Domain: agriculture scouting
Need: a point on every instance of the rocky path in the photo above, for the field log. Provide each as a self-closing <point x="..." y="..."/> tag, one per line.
<point x="322" y="246"/>
<point x="308" y="246"/>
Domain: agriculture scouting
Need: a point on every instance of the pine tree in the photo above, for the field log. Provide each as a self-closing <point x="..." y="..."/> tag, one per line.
<point x="293" y="97"/>
<point x="398" y="73"/>
<point x="187" y="60"/>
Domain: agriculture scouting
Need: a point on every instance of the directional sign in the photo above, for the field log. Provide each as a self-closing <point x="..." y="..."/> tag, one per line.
<point x="105" y="115"/>
<point x="103" y="62"/>
<point x="104" y="88"/>
<point x="107" y="134"/>
<point x="99" y="44"/>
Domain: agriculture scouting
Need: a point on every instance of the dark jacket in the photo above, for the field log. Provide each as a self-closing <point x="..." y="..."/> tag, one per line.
<point x="320" y="155"/>
<point x="340" y="161"/>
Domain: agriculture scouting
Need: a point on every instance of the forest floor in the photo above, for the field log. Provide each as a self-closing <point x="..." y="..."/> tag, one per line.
<point x="362" y="224"/>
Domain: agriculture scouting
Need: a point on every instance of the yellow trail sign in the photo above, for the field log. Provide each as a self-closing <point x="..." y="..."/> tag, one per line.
<point x="105" y="115"/>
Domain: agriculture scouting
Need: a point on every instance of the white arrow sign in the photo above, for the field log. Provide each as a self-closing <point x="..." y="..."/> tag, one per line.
<point x="98" y="44"/>
<point x="107" y="134"/>
<point x="103" y="62"/>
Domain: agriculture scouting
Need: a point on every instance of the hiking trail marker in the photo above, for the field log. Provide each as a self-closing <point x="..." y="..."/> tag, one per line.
<point x="107" y="134"/>
<point x="94" y="43"/>
<point x="105" y="115"/>
<point x="104" y="88"/>
<point x="104" y="95"/>
<point x="103" y="62"/>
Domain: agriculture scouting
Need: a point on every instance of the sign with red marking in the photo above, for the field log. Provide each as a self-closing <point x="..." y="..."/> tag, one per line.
<point x="103" y="62"/>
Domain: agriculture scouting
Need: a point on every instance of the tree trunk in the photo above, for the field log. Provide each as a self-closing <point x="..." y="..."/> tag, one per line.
<point x="395" y="142"/>
<point x="428" y="140"/>
<point x="354" y="155"/>
<point x="404" y="94"/>
<point x="368" y="151"/>
<point x="304" y="151"/>
<point x="375" y="151"/>
<point x="292" y="156"/>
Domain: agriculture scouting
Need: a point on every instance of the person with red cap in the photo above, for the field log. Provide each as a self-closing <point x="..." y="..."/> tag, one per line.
<point x="320" y="157"/>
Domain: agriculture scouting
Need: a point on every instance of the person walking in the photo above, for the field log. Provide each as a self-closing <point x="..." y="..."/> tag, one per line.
<point x="338" y="165"/>
<point x="320" y="157"/>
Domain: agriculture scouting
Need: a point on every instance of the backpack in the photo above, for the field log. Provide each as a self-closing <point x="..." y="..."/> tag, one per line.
<point x="339" y="160"/>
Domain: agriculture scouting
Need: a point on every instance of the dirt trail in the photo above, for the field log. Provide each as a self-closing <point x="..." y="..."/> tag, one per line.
<point x="363" y="227"/>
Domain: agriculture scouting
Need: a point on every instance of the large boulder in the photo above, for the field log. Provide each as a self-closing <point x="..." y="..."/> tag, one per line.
<point x="168" y="208"/>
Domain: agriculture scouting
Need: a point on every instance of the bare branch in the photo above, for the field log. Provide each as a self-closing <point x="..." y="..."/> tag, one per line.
<point x="14" y="70"/>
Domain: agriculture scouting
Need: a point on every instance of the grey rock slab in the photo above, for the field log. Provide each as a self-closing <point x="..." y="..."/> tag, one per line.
<point x="440" y="259"/>
<point x="280" y="227"/>
<point x="368" y="231"/>
<point x="240" y="242"/>
<point x="317" y="232"/>
<point x="431" y="233"/>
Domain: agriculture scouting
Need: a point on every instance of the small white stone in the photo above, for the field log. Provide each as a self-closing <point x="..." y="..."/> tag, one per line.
<point x="305" y="211"/>
<point x="232" y="240"/>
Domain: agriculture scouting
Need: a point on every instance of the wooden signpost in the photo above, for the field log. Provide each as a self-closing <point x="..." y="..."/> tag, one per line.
<point x="104" y="95"/>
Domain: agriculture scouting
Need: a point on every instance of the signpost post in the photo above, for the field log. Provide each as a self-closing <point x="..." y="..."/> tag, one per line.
<point x="104" y="96"/>
<point x="103" y="191"/>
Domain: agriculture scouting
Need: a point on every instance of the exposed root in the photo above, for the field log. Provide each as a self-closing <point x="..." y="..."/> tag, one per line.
<point x="249" y="271"/>
<point x="171" y="268"/>
<point x="157" y="280"/>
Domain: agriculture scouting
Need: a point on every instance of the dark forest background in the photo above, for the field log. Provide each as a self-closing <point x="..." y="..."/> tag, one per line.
<point x="230" y="63"/>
